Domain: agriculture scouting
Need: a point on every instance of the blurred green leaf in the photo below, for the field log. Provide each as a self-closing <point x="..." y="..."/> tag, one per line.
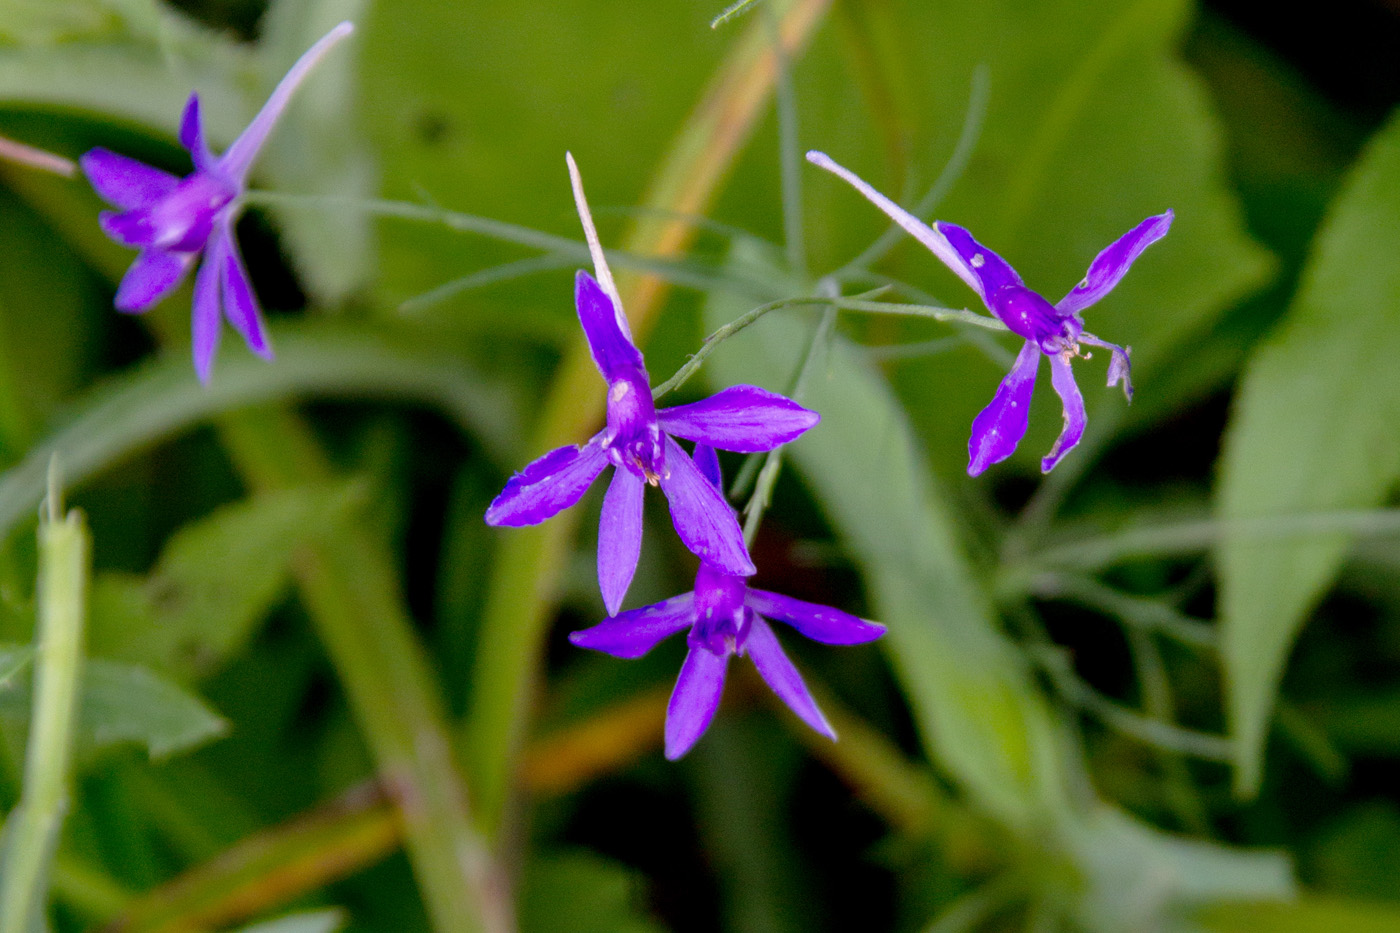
<point x="121" y="703"/>
<point x="1312" y="914"/>
<point x="580" y="893"/>
<point x="14" y="662"/>
<point x="1357" y="854"/>
<point x="215" y="581"/>
<point x="1312" y="431"/>
<point x="315" y="921"/>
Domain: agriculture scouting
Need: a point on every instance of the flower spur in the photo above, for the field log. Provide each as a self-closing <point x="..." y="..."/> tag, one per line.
<point x="1056" y="331"/>
<point x="172" y="220"/>
<point x="638" y="441"/>
<point x="725" y="617"/>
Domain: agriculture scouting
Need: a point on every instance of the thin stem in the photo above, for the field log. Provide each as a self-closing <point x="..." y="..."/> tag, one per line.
<point x="505" y="272"/>
<point x="1144" y="615"/>
<point x="730" y="12"/>
<point x="32" y="830"/>
<point x="1160" y="704"/>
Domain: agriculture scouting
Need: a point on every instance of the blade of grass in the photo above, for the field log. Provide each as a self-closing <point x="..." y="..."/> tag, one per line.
<point x="528" y="566"/>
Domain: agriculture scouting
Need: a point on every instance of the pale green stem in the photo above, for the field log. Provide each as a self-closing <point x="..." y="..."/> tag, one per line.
<point x="31" y="833"/>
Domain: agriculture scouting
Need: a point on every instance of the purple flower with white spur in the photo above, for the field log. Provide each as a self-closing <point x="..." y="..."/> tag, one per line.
<point x="725" y="617"/>
<point x="1056" y="331"/>
<point x="172" y="220"/>
<point x="638" y="441"/>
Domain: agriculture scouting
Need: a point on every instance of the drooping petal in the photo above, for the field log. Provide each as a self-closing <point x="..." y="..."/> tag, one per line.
<point x="695" y="699"/>
<point x="123" y="182"/>
<point x="705" y="522"/>
<point x="819" y="623"/>
<point x="707" y="462"/>
<point x="192" y="135"/>
<point x="548" y="485"/>
<point x="779" y="673"/>
<point x="991" y="270"/>
<point x="999" y="427"/>
<point x="929" y="236"/>
<point x="633" y="633"/>
<point x="207" y="322"/>
<point x="619" y="537"/>
<point x="1062" y="378"/>
<point x="1120" y="363"/>
<point x="741" y="418"/>
<point x="238" y="158"/>
<point x="612" y="349"/>
<point x="1113" y="263"/>
<point x="240" y="304"/>
<point x="154" y="274"/>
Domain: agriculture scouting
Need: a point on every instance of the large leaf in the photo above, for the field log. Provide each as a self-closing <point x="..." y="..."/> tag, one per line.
<point x="121" y="704"/>
<point x="1313" y="429"/>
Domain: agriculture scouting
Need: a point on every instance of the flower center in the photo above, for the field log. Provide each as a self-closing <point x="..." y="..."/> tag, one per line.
<point x="182" y="220"/>
<point x="633" y="440"/>
<point x="722" y="620"/>
<point x="1030" y="316"/>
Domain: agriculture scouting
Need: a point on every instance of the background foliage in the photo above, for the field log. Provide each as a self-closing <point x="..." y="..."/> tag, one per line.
<point x="1156" y="690"/>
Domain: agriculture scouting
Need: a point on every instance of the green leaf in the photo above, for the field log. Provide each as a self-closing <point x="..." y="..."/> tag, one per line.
<point x="15" y="661"/>
<point x="121" y="704"/>
<point x="1312" y="914"/>
<point x="581" y="893"/>
<point x="314" y="921"/>
<point x="216" y="580"/>
<point x="1312" y="430"/>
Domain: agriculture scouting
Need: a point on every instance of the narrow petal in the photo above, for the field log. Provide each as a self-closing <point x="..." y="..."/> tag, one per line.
<point x="992" y="271"/>
<point x="707" y="462"/>
<point x="819" y="623"/>
<point x="1113" y="263"/>
<point x="742" y="418"/>
<point x="611" y="346"/>
<point x="207" y="322"/>
<point x="633" y="633"/>
<point x="240" y="304"/>
<point x="1062" y="378"/>
<point x="548" y="485"/>
<point x="929" y="236"/>
<point x="779" y="673"/>
<point x="238" y="159"/>
<point x="192" y="135"/>
<point x="999" y="427"/>
<point x="135" y="228"/>
<point x="695" y="699"/>
<point x="123" y="182"/>
<point x="619" y="537"/>
<point x="595" y="246"/>
<point x="153" y="275"/>
<point x="704" y="520"/>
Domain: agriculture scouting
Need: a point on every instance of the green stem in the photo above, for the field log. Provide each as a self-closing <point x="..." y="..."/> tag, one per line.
<point x="32" y="830"/>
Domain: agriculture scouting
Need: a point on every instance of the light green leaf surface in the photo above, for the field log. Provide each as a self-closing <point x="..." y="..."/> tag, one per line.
<point x="121" y="704"/>
<point x="1306" y="435"/>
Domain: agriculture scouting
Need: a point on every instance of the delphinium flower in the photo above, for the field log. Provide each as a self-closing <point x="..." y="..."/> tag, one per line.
<point x="725" y="617"/>
<point x="639" y="442"/>
<point x="172" y="220"/>
<point x="1056" y="331"/>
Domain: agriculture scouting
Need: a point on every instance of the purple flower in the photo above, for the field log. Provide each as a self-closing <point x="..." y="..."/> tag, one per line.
<point x="1056" y="331"/>
<point x="172" y="220"/>
<point x="725" y="617"/>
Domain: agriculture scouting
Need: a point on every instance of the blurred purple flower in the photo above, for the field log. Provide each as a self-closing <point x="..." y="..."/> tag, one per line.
<point x="172" y="220"/>
<point x="1056" y="331"/>
<point x="725" y="617"/>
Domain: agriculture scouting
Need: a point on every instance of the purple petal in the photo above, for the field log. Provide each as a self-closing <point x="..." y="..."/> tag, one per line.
<point x="704" y="520"/>
<point x="993" y="272"/>
<point x="154" y="274"/>
<point x="741" y="418"/>
<point x="207" y="323"/>
<point x="612" y="350"/>
<point x="999" y="427"/>
<point x="819" y="623"/>
<point x="707" y="462"/>
<point x="548" y="485"/>
<point x="1113" y="263"/>
<point x="1062" y="378"/>
<point x="134" y="228"/>
<point x="1120" y="363"/>
<point x="192" y="135"/>
<point x="240" y="304"/>
<point x="633" y="633"/>
<point x="124" y="182"/>
<point x="619" y="537"/>
<point x="695" y="699"/>
<point x="929" y="236"/>
<point x="783" y="678"/>
<point x="238" y="159"/>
